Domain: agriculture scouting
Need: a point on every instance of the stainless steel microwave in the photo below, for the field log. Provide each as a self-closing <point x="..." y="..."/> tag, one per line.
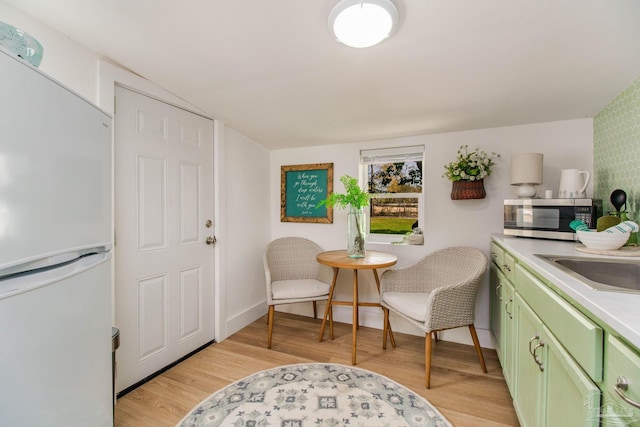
<point x="549" y="218"/>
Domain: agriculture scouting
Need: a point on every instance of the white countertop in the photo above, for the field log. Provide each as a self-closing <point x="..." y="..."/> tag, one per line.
<point x="619" y="310"/>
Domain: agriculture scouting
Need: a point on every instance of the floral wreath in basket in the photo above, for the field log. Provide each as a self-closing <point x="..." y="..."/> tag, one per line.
<point x="470" y="166"/>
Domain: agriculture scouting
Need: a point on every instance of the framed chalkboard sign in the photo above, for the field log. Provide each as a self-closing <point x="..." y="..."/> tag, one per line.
<point x="301" y="188"/>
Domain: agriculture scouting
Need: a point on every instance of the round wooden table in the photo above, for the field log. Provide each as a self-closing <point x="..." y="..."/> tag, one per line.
<point x="339" y="259"/>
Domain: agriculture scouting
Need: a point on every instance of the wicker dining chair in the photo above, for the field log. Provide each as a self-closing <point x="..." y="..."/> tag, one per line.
<point x="436" y="293"/>
<point x="293" y="275"/>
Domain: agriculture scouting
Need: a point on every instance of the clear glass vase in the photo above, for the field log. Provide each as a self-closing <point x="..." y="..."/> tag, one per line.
<point x="355" y="232"/>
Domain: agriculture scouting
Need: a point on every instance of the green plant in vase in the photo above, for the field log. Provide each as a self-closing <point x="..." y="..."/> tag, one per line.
<point x="355" y="199"/>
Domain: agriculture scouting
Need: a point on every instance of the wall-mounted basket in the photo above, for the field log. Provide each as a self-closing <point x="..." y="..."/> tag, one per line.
<point x="464" y="190"/>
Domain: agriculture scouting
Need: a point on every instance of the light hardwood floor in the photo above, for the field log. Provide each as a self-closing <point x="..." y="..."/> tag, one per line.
<point x="459" y="389"/>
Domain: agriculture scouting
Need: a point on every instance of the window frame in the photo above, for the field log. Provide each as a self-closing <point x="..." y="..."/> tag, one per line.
<point x="389" y="155"/>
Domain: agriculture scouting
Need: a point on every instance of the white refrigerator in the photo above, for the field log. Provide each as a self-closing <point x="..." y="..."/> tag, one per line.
<point x="55" y="253"/>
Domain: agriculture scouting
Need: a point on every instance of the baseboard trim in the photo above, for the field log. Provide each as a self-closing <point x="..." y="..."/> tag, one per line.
<point x="247" y="317"/>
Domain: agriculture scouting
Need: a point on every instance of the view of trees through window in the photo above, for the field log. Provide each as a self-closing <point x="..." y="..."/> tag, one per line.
<point x="395" y="188"/>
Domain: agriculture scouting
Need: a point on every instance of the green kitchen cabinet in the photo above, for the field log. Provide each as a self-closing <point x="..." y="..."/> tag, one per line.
<point x="497" y="254"/>
<point x="551" y="388"/>
<point x="508" y="333"/>
<point x="496" y="298"/>
<point x="502" y="320"/>
<point x="551" y="353"/>
<point x="501" y="310"/>
<point x="496" y="289"/>
<point x="580" y="336"/>
<point x="621" y="385"/>
<point x="503" y="260"/>
<point x="529" y="385"/>
<point x="572" y="399"/>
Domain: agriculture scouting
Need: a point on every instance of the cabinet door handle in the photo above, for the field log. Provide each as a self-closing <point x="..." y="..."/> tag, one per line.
<point x="534" y="338"/>
<point x="621" y="386"/>
<point x="498" y="291"/>
<point x="506" y="267"/>
<point x="535" y="356"/>
<point x="533" y="351"/>
<point x="494" y="255"/>
<point x="506" y="309"/>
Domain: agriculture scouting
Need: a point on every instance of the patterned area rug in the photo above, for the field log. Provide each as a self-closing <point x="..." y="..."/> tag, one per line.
<point x="318" y="395"/>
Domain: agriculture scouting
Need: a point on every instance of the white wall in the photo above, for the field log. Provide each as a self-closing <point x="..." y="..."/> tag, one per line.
<point x="248" y="185"/>
<point x="245" y="206"/>
<point x="241" y="176"/>
<point x="566" y="144"/>
<point x="64" y="59"/>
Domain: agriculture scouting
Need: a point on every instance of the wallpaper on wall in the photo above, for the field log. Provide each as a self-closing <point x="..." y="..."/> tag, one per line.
<point x="616" y="149"/>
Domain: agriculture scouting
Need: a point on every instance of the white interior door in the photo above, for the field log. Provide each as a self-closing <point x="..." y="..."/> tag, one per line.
<point x="163" y="219"/>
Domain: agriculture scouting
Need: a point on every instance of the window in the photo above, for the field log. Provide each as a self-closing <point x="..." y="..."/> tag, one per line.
<point x="394" y="179"/>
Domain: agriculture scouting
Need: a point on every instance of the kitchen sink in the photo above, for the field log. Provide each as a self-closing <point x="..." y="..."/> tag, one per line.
<point x="602" y="274"/>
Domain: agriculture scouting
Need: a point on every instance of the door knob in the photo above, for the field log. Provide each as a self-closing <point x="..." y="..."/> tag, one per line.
<point x="210" y="240"/>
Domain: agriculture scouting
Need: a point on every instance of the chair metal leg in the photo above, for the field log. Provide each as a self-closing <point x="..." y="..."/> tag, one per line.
<point x="476" y="344"/>
<point x="270" y="322"/>
<point x="315" y="310"/>
<point x="427" y="359"/>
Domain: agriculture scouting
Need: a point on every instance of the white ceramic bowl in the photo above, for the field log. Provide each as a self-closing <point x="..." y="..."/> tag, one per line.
<point x="602" y="241"/>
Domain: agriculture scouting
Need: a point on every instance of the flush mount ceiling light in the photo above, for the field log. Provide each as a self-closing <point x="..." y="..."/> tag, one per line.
<point x="363" y="23"/>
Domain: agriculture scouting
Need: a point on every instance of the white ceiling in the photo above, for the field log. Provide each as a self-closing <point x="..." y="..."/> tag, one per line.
<point x="270" y="69"/>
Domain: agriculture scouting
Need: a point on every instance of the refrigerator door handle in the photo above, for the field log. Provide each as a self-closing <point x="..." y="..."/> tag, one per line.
<point x="51" y="260"/>
<point x="28" y="281"/>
